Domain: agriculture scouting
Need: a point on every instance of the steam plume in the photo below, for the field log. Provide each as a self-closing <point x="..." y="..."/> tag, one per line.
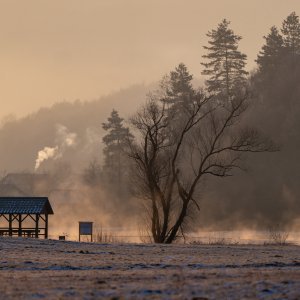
<point x="64" y="139"/>
<point x="45" y="154"/>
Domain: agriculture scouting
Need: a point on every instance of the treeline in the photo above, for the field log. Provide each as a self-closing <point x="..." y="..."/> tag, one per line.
<point x="269" y="99"/>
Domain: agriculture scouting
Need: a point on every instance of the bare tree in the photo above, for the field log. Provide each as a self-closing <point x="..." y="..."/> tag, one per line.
<point x="171" y="159"/>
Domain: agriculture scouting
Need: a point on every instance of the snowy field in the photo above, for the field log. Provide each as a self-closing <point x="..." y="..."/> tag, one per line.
<point x="38" y="269"/>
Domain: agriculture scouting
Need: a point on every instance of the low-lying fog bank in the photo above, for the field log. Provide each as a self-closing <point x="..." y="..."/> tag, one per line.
<point x="131" y="235"/>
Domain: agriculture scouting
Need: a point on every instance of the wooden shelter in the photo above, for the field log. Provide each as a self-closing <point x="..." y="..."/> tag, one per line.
<point x="15" y="210"/>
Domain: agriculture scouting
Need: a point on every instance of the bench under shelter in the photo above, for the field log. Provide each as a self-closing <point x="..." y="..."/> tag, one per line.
<point x="15" y="210"/>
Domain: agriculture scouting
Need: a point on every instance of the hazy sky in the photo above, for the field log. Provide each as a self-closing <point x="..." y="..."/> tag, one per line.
<point x="53" y="50"/>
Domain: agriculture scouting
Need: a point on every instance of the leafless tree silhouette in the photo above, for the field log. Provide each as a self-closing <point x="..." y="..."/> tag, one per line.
<point x="172" y="155"/>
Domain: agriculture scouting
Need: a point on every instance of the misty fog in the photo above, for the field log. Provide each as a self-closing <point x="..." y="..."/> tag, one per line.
<point x="63" y="141"/>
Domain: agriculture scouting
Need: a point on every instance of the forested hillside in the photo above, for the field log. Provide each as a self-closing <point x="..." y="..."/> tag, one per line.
<point x="21" y="139"/>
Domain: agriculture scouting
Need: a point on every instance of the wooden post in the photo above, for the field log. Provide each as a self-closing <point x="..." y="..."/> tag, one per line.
<point x="36" y="226"/>
<point x="46" y="226"/>
<point x="20" y="225"/>
<point x="92" y="232"/>
<point x="10" y="224"/>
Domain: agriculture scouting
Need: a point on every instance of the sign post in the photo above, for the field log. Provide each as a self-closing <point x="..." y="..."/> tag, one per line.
<point x="86" y="228"/>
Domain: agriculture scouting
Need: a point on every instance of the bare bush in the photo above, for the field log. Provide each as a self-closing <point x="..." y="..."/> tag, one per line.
<point x="105" y="237"/>
<point x="277" y="236"/>
<point x="216" y="239"/>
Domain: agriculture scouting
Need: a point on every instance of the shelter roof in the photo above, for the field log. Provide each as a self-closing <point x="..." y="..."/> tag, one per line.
<point x="25" y="205"/>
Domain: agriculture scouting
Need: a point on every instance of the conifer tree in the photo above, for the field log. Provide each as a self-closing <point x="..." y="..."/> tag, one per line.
<point x="177" y="90"/>
<point x="272" y="52"/>
<point x="179" y="85"/>
<point x="280" y="51"/>
<point x="115" y="143"/>
<point x="226" y="64"/>
<point x="291" y="34"/>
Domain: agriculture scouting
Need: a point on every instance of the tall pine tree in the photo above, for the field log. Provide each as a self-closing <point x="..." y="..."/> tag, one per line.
<point x="115" y="160"/>
<point x="272" y="52"/>
<point x="291" y="34"/>
<point x="226" y="64"/>
<point x="281" y="51"/>
<point x="178" y="88"/>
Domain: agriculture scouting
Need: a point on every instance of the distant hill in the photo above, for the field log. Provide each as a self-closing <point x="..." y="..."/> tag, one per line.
<point x="268" y="194"/>
<point x="21" y="139"/>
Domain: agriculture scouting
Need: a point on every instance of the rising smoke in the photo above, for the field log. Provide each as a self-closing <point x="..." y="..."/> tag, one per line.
<point x="64" y="139"/>
<point x="45" y="154"/>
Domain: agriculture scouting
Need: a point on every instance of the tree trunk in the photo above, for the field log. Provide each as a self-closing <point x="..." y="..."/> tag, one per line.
<point x="178" y="223"/>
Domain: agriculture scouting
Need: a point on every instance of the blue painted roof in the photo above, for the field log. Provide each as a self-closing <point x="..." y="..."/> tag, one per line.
<point x="25" y="205"/>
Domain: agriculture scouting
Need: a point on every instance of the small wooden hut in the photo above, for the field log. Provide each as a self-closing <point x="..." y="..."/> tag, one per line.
<point x="15" y="210"/>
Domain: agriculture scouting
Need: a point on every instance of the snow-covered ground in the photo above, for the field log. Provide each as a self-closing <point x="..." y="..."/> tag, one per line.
<point x="48" y="269"/>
